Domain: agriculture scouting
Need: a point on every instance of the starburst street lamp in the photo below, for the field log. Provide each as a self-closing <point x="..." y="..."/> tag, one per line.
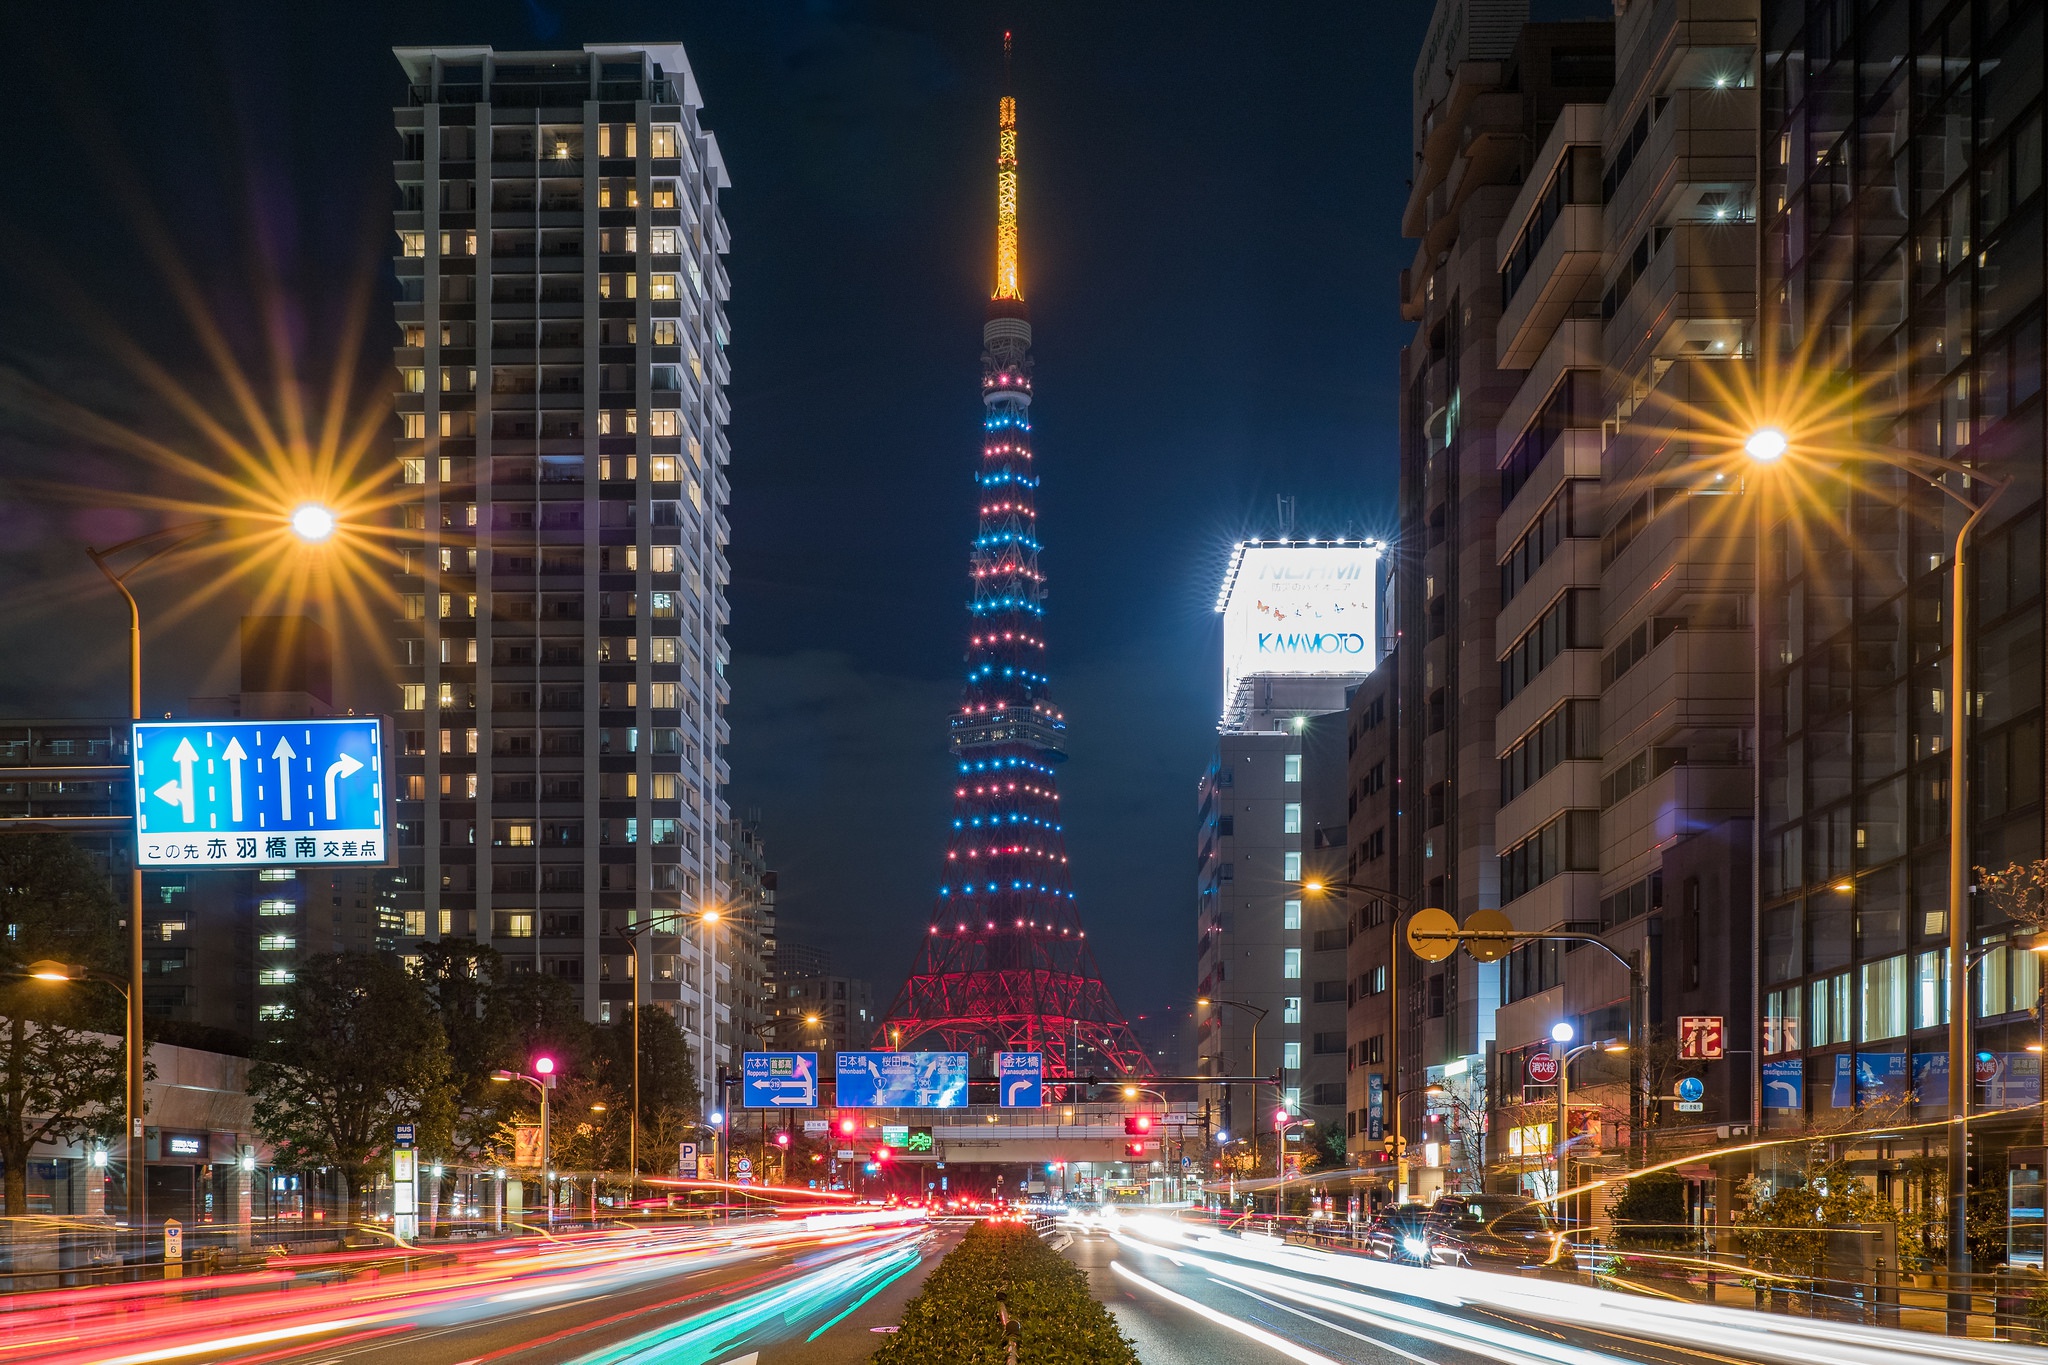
<point x="312" y="522"/>
<point x="1765" y="446"/>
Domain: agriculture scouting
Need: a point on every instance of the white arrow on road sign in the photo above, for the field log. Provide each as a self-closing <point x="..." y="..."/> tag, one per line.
<point x="800" y="1100"/>
<point x="233" y="755"/>
<point x="179" y="793"/>
<point x="284" y="754"/>
<point x="1021" y="1083"/>
<point x="348" y="765"/>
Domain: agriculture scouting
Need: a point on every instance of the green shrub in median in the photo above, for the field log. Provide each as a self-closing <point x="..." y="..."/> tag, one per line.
<point x="957" y="1319"/>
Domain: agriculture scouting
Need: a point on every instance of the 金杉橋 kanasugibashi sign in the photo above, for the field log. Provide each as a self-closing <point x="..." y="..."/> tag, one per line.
<point x="238" y="792"/>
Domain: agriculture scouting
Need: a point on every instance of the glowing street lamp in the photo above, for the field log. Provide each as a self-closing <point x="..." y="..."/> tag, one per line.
<point x="543" y="1080"/>
<point x="1766" y="445"/>
<point x="312" y="522"/>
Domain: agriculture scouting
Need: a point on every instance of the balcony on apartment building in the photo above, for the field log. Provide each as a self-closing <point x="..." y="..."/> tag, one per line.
<point x="1549" y="250"/>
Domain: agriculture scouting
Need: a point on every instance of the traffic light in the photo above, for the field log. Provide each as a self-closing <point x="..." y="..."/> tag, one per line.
<point x="782" y="1138"/>
<point x="1137" y="1125"/>
<point x="1134" y="1149"/>
<point x="882" y="1154"/>
<point x="848" y="1126"/>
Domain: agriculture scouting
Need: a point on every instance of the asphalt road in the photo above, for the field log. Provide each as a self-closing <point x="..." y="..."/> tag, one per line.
<point x="652" y="1323"/>
<point x="1207" y="1300"/>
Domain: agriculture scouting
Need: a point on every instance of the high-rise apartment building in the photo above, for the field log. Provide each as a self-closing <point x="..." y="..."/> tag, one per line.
<point x="562" y="450"/>
<point x="1478" y="675"/>
<point x="1902" y="222"/>
<point x="747" y="935"/>
<point x="1373" y="814"/>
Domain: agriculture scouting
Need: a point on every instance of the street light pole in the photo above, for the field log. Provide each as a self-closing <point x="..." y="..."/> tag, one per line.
<point x="172" y="538"/>
<point x="1765" y="446"/>
<point x="631" y="933"/>
<point x="1342" y="890"/>
<point x="1258" y="1017"/>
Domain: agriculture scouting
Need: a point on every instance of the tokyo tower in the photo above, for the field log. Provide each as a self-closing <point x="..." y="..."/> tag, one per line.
<point x="1005" y="965"/>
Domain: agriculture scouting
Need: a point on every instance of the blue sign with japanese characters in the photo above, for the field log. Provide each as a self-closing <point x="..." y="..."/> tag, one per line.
<point x="229" y="793"/>
<point x="1785" y="1084"/>
<point x="779" y="1080"/>
<point x="1020" y="1079"/>
<point x="902" y="1080"/>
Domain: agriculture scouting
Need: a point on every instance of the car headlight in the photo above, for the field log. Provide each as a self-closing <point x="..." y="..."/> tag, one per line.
<point x="1415" y="1246"/>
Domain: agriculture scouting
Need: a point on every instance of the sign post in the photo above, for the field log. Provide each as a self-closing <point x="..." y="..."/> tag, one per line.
<point x="174" y="1249"/>
<point x="405" y="1201"/>
<point x="1020" y="1079"/>
<point x="779" y="1080"/>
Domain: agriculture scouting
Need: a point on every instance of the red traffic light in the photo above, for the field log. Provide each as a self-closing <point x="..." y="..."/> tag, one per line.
<point x="1137" y="1125"/>
<point x="848" y="1127"/>
<point x="782" y="1138"/>
<point x="1134" y="1149"/>
<point x="882" y="1154"/>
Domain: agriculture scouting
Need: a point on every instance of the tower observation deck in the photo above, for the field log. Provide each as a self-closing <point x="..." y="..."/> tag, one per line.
<point x="1005" y="964"/>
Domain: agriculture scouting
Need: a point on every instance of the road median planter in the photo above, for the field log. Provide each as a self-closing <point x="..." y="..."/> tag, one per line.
<point x="1001" y="1287"/>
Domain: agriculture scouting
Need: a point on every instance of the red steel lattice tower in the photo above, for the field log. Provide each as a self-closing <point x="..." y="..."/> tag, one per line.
<point x="1005" y="964"/>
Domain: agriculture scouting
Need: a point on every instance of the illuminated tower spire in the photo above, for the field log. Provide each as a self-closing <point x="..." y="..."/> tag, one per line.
<point x="1008" y="286"/>
<point x="1005" y="964"/>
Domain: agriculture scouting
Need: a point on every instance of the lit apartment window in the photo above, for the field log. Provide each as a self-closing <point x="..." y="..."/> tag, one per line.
<point x="662" y="469"/>
<point x="272" y="1013"/>
<point x="414" y="379"/>
<point x="416" y="923"/>
<point x="414" y="425"/>
<point x="1290" y="914"/>
<point x="519" y="835"/>
<point x="662" y="287"/>
<point x="1290" y="866"/>
<point x="277" y="907"/>
<point x="1290" y="1057"/>
<point x="664" y="788"/>
<point x="1290" y="964"/>
<point x="663" y="650"/>
<point x="412" y="243"/>
<point x="664" y="605"/>
<point x="169" y="927"/>
<point x="662" y="558"/>
<point x="661" y="422"/>
<point x="662" y="241"/>
<point x="1290" y="818"/>
<point x="1290" y="1009"/>
<point x="277" y="874"/>
<point x="664" y="328"/>
<point x="276" y="976"/>
<point x="277" y="943"/>
<point x="663" y="696"/>
<point x="412" y="696"/>
<point x="1291" y="1099"/>
<point x="514" y="923"/>
<point x="413" y="470"/>
<point x="1290" y="768"/>
<point x="664" y="194"/>
<point x="661" y="140"/>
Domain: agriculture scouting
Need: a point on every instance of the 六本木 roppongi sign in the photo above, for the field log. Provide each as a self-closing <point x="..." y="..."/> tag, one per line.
<point x="1300" y="609"/>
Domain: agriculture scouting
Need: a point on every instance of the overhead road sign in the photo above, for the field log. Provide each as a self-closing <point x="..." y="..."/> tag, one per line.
<point x="1020" y="1079"/>
<point x="902" y="1080"/>
<point x="779" y="1080"/>
<point x="230" y="793"/>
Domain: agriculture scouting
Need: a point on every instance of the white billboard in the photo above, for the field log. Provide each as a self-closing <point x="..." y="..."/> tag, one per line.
<point x="1301" y="608"/>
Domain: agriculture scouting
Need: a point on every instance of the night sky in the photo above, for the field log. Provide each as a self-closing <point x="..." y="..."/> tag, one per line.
<point x="1210" y="207"/>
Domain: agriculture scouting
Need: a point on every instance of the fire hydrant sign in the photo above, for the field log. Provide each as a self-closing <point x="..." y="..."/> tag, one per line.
<point x="232" y="793"/>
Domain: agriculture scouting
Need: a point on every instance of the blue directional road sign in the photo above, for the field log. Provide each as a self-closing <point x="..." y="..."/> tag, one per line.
<point x="779" y="1080"/>
<point x="1020" y="1079"/>
<point x="225" y="793"/>
<point x="902" y="1080"/>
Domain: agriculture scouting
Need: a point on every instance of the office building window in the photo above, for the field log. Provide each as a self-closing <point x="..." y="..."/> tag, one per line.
<point x="1290" y="1056"/>
<point x="1290" y="866"/>
<point x="1290" y="914"/>
<point x="1290" y="768"/>
<point x="1290" y="1009"/>
<point x="1290" y="818"/>
<point x="1290" y="964"/>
